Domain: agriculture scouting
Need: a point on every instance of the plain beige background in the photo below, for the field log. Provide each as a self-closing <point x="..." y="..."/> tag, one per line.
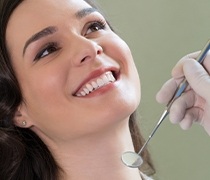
<point x="159" y="33"/>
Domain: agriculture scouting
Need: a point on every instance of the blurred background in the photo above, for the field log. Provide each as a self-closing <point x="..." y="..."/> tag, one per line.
<point x="159" y="33"/>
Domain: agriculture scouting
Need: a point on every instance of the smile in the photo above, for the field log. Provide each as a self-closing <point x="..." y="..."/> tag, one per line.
<point x="97" y="83"/>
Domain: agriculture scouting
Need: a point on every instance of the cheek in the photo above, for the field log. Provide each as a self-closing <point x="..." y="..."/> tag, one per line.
<point x="45" y="97"/>
<point x="42" y="88"/>
<point x="118" y="50"/>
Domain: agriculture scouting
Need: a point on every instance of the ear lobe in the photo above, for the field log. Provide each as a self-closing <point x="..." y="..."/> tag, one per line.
<point x="21" y="118"/>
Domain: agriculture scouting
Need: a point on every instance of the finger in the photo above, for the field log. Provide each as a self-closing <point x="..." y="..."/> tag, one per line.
<point x="198" y="78"/>
<point x="186" y="123"/>
<point x="166" y="92"/>
<point x="177" y="71"/>
<point x="180" y="106"/>
<point x="192" y="115"/>
<point x="206" y="62"/>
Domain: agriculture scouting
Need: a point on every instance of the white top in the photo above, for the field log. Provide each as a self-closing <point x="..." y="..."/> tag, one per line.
<point x="145" y="177"/>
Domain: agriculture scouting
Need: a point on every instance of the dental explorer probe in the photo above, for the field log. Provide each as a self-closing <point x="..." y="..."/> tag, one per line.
<point x="133" y="159"/>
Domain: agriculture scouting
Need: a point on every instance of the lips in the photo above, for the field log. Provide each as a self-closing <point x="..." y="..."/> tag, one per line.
<point x="96" y="83"/>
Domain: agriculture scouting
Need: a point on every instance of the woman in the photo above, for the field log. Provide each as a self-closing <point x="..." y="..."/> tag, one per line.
<point x="69" y="89"/>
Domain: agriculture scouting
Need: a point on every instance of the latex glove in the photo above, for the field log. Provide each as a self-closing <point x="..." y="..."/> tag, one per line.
<point x="194" y="104"/>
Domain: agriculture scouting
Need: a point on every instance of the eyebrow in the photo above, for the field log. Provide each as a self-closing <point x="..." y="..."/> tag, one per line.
<point x="84" y="12"/>
<point x="52" y="29"/>
<point x="43" y="33"/>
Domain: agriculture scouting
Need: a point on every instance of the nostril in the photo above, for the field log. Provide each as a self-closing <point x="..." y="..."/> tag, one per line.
<point x="100" y="50"/>
<point x="89" y="53"/>
<point x="83" y="60"/>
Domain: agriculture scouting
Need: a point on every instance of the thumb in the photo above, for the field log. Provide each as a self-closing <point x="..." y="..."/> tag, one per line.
<point x="198" y="78"/>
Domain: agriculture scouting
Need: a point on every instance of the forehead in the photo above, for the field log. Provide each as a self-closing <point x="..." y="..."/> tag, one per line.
<point x="46" y="4"/>
<point x="40" y="10"/>
<point x="33" y="15"/>
<point x="29" y="7"/>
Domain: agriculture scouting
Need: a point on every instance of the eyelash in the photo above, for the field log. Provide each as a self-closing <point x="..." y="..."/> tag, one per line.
<point x="99" y="24"/>
<point x="48" y="47"/>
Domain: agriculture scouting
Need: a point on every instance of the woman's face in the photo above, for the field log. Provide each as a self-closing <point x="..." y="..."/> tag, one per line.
<point x="76" y="75"/>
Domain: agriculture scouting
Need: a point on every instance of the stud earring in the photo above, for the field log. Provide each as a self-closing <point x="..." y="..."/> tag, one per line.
<point x="24" y="123"/>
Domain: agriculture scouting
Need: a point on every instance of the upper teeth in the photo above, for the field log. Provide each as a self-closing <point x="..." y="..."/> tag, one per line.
<point x="103" y="80"/>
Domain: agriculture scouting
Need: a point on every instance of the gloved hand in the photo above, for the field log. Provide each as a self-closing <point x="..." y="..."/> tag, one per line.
<point x="194" y="104"/>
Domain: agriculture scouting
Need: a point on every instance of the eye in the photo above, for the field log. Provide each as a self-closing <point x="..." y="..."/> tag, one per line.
<point x="96" y="26"/>
<point x="47" y="50"/>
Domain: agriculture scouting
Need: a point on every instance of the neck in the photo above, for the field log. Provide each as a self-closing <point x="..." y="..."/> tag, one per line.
<point x="97" y="156"/>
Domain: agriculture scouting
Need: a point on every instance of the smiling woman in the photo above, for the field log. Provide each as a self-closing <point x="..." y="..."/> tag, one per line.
<point x="69" y="90"/>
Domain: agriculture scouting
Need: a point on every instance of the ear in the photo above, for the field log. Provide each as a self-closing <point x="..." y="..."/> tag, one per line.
<point x="21" y="118"/>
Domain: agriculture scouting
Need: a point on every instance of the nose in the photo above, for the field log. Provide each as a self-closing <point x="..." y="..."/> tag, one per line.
<point x="86" y="50"/>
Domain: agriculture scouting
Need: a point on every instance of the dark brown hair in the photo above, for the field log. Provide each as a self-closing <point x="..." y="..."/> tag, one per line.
<point x="23" y="155"/>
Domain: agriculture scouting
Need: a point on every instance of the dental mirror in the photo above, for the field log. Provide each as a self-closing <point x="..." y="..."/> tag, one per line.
<point x="132" y="159"/>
